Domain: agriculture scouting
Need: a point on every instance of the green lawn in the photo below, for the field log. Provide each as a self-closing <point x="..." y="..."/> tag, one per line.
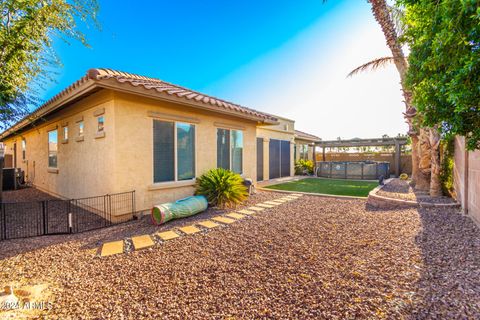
<point x="328" y="186"/>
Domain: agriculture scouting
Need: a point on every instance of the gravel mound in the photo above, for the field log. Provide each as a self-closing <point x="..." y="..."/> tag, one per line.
<point x="400" y="189"/>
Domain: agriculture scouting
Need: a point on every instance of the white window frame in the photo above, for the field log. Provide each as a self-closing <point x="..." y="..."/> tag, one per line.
<point x="175" y="153"/>
<point x="81" y="124"/>
<point x="24" y="148"/>
<point x="65" y="130"/>
<point x="98" y="124"/>
<point x="48" y="149"/>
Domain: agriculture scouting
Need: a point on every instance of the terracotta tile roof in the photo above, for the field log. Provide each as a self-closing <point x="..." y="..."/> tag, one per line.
<point x="95" y="78"/>
<point x="307" y="136"/>
<point x="163" y="87"/>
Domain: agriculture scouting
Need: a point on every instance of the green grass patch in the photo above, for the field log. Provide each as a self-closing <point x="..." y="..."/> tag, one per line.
<point x="328" y="186"/>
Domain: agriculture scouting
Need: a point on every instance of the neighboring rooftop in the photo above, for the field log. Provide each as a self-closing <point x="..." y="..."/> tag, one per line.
<point x="306" y="136"/>
<point x="96" y="79"/>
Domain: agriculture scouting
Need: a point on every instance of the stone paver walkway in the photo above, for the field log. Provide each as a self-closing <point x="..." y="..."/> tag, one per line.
<point x="147" y="241"/>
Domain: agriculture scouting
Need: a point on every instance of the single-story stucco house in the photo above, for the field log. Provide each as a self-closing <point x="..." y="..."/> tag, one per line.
<point x="113" y="131"/>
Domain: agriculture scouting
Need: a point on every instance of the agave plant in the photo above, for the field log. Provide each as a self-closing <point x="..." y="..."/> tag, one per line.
<point x="222" y="188"/>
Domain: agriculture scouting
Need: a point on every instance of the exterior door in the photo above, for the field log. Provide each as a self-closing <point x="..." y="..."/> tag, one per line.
<point x="279" y="162"/>
<point x="274" y="159"/>
<point x="284" y="158"/>
<point x="259" y="159"/>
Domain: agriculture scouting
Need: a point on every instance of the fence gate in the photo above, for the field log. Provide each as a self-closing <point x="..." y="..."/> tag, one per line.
<point x="56" y="216"/>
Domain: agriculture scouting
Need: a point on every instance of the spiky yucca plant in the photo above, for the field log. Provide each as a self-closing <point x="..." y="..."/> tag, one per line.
<point x="222" y="188"/>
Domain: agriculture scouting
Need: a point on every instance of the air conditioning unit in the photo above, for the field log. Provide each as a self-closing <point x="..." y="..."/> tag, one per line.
<point x="9" y="181"/>
<point x="13" y="178"/>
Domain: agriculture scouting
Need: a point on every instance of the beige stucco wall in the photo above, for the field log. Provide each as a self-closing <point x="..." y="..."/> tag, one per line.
<point x="85" y="168"/>
<point x="122" y="160"/>
<point x="134" y="146"/>
<point x="466" y="175"/>
<point x="282" y="131"/>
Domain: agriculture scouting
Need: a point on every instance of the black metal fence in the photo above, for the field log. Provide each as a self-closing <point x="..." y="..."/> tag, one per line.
<point x="37" y="218"/>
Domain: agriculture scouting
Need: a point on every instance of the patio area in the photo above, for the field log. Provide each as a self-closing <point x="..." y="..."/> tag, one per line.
<point x="310" y="258"/>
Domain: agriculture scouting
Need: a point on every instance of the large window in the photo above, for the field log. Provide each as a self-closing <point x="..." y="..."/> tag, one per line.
<point x="230" y="150"/>
<point x="173" y="151"/>
<point x="52" y="148"/>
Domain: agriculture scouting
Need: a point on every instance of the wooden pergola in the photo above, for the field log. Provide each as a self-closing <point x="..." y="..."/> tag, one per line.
<point x="380" y="142"/>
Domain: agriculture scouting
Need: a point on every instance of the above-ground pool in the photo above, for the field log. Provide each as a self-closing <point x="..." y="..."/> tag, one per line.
<point x="360" y="170"/>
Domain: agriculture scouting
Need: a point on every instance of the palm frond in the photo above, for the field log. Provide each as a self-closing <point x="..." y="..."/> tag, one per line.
<point x="372" y="65"/>
<point x="397" y="14"/>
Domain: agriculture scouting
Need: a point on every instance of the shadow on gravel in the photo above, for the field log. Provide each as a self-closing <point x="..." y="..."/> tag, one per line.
<point x="449" y="286"/>
<point x="94" y="238"/>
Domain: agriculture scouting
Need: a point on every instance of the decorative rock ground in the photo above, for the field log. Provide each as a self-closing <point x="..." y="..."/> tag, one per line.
<point x="310" y="259"/>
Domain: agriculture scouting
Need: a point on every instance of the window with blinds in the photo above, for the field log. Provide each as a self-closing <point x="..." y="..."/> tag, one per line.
<point x="173" y="151"/>
<point x="230" y="150"/>
<point x="223" y="149"/>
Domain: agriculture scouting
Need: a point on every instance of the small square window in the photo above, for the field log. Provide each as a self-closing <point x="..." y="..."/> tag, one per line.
<point x="101" y="122"/>
<point x="65" y="133"/>
<point x="80" y="129"/>
<point x="24" y="148"/>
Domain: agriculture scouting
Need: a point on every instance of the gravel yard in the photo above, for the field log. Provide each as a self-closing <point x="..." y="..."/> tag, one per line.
<point x="310" y="258"/>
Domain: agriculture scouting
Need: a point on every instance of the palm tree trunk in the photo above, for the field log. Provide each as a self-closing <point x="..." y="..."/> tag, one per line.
<point x="422" y="183"/>
<point x="382" y="16"/>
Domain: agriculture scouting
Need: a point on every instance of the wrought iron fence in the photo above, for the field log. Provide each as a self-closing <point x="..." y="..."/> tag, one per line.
<point x="47" y="217"/>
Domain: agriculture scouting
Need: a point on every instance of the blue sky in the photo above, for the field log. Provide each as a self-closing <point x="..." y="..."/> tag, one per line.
<point x="284" y="57"/>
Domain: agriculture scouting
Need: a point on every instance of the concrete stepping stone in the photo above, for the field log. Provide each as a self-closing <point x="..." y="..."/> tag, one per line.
<point x="189" y="229"/>
<point x="167" y="235"/>
<point x="268" y="206"/>
<point x="142" y="242"/>
<point x="208" y="224"/>
<point x="245" y="211"/>
<point x="235" y="215"/>
<point x="255" y="209"/>
<point x="279" y="200"/>
<point x="223" y="220"/>
<point x="111" y="248"/>
<point x="272" y="203"/>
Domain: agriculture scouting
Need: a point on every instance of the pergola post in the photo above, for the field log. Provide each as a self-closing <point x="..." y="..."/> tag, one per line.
<point x="323" y="154"/>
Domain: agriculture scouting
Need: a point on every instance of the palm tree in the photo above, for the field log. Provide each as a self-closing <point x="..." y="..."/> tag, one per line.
<point x="425" y="146"/>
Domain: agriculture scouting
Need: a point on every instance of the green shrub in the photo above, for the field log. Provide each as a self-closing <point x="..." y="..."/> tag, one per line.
<point x="222" y="188"/>
<point x="302" y="166"/>
<point x="404" y="176"/>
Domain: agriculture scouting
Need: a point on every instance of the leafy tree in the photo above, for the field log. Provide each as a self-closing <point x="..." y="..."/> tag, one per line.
<point x="444" y="73"/>
<point x="27" y="30"/>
